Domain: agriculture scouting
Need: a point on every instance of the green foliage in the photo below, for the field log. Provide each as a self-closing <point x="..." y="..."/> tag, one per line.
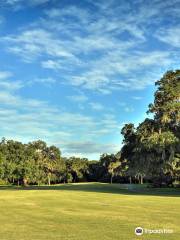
<point x="113" y="165"/>
<point x="153" y="148"/>
<point x="32" y="163"/>
<point x="69" y="178"/>
<point x="77" y="168"/>
<point x="37" y="163"/>
<point x="3" y="182"/>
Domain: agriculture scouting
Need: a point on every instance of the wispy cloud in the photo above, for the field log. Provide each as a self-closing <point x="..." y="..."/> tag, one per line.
<point x="37" y="42"/>
<point x="51" y="64"/>
<point x="107" y="59"/>
<point x="118" y="60"/>
<point x="96" y="106"/>
<point x="27" y="119"/>
<point x="19" y="4"/>
<point x="78" y="98"/>
<point x="89" y="147"/>
<point x="137" y="97"/>
<point x="6" y="84"/>
<point x="170" y="36"/>
<point x="44" y="81"/>
<point x="5" y="75"/>
<point x="78" y="65"/>
<point x="129" y="109"/>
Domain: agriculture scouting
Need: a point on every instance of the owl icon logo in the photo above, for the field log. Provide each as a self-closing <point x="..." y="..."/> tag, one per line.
<point x="139" y="231"/>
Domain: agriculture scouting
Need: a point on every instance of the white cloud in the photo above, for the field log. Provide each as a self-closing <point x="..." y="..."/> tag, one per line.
<point x="80" y="14"/>
<point x="19" y="4"/>
<point x="27" y="119"/>
<point x="6" y="84"/>
<point x="38" y="2"/>
<point x="12" y="2"/>
<point x="170" y="36"/>
<point x="5" y="75"/>
<point x="37" y="42"/>
<point x="96" y="106"/>
<point x="8" y="99"/>
<point x="89" y="147"/>
<point x="137" y="98"/>
<point x="51" y="64"/>
<point x="44" y="81"/>
<point x="93" y="80"/>
<point x="101" y="52"/>
<point x="129" y="109"/>
<point x="117" y="71"/>
<point x="78" y="98"/>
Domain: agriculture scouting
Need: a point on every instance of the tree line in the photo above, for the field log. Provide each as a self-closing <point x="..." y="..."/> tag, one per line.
<point x="37" y="163"/>
<point x="150" y="151"/>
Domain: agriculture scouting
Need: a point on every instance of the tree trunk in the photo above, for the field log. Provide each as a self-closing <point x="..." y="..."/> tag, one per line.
<point x="111" y="179"/>
<point x="18" y="182"/>
<point x="25" y="182"/>
<point x="141" y="176"/>
<point x="160" y="130"/>
<point x="49" y="180"/>
<point x="130" y="180"/>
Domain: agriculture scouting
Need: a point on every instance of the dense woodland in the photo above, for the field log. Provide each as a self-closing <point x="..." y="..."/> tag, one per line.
<point x="150" y="152"/>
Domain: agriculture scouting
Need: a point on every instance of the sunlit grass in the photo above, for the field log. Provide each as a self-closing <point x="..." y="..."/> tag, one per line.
<point x="87" y="211"/>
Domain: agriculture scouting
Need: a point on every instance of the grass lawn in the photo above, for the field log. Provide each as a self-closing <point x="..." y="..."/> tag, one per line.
<point x="91" y="211"/>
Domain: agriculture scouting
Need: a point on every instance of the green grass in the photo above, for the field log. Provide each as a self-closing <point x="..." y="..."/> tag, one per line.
<point x="90" y="211"/>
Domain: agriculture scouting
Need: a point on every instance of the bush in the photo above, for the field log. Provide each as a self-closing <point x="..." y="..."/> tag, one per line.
<point x="69" y="178"/>
<point x="176" y="183"/>
<point x="3" y="182"/>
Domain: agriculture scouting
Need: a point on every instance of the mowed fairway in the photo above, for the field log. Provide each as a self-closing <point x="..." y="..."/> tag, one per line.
<point x="90" y="211"/>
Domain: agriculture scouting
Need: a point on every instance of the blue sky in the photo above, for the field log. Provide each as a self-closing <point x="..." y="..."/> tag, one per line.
<point x="73" y="72"/>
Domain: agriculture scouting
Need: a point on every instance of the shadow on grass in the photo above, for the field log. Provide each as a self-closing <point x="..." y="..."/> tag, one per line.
<point x="124" y="189"/>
